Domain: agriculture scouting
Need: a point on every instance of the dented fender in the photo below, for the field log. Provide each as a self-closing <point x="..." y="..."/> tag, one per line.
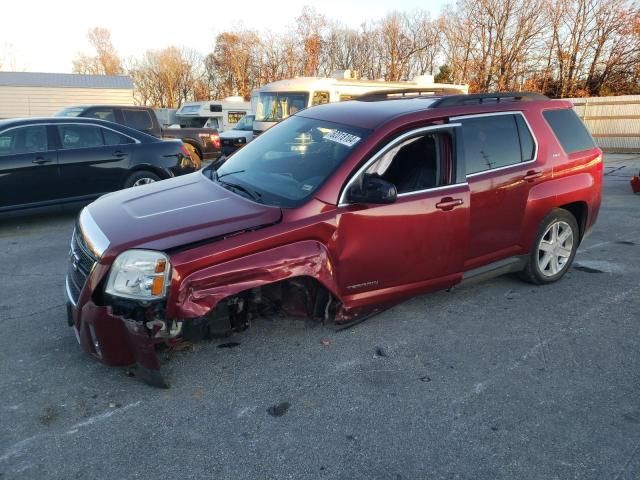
<point x="200" y="292"/>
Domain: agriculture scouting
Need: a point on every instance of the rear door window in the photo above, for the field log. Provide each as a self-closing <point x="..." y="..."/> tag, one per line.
<point x="138" y="119"/>
<point x="22" y="140"/>
<point x="492" y="142"/>
<point x="80" y="136"/>
<point x="114" y="138"/>
<point x="569" y="130"/>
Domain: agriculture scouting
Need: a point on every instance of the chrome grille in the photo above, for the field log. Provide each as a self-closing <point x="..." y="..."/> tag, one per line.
<point x="81" y="262"/>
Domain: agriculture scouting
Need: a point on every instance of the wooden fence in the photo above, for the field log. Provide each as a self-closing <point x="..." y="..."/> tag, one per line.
<point x="614" y="122"/>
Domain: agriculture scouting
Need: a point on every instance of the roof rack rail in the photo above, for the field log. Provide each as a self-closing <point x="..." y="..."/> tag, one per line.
<point x="378" y="95"/>
<point x="480" y="98"/>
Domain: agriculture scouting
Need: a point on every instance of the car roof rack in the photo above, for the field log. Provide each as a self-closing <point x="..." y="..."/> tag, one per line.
<point x="482" y="98"/>
<point x="390" y="94"/>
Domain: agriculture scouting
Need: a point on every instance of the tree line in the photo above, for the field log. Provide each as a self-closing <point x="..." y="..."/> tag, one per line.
<point x="561" y="48"/>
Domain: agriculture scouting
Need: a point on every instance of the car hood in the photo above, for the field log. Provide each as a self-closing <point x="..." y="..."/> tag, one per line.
<point x="235" y="134"/>
<point x="172" y="213"/>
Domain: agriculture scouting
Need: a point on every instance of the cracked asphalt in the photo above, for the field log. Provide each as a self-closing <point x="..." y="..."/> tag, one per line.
<point x="500" y="380"/>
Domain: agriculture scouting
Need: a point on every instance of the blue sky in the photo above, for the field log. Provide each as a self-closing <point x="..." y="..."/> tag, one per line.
<point x="45" y="35"/>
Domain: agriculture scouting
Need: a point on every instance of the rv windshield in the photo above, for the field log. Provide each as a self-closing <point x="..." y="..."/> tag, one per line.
<point x="288" y="163"/>
<point x="276" y="106"/>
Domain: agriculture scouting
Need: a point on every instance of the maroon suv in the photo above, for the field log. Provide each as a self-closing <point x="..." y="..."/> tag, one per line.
<point x="336" y="213"/>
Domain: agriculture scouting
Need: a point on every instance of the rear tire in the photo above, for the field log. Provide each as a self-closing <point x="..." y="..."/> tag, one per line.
<point x="554" y="248"/>
<point x="141" y="177"/>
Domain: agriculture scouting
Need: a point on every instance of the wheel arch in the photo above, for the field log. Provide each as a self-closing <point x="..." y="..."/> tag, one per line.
<point x="161" y="172"/>
<point x="570" y="193"/>
<point x="580" y="211"/>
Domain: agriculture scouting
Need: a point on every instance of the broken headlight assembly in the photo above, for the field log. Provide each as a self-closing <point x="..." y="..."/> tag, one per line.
<point x="139" y="275"/>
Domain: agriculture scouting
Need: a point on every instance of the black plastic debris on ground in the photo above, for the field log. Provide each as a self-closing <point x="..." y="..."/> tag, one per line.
<point x="229" y="345"/>
<point x="278" y="410"/>
<point x="584" y="268"/>
<point x="381" y="352"/>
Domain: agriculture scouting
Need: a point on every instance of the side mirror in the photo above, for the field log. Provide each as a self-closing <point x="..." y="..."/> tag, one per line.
<point x="373" y="189"/>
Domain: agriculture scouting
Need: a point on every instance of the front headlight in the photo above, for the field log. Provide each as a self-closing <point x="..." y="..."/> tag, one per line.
<point x="140" y="275"/>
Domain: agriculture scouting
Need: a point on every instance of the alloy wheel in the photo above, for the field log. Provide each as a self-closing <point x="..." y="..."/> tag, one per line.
<point x="555" y="248"/>
<point x="143" y="181"/>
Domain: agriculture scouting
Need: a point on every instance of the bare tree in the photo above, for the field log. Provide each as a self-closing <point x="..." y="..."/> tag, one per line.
<point x="559" y="47"/>
<point x="106" y="60"/>
<point x="168" y="77"/>
<point x="234" y="63"/>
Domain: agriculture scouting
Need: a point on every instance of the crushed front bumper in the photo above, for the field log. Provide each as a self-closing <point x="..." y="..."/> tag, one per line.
<point x="114" y="340"/>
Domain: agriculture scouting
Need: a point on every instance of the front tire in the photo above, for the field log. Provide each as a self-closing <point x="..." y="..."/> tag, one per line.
<point x="554" y="248"/>
<point x="141" y="177"/>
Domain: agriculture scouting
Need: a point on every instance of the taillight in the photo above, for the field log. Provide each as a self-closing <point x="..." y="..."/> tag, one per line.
<point x="184" y="151"/>
<point x="215" y="138"/>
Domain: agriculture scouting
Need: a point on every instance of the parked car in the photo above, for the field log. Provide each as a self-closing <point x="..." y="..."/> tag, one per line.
<point x="338" y="212"/>
<point x="202" y="143"/>
<point x="48" y="161"/>
<point x="238" y="136"/>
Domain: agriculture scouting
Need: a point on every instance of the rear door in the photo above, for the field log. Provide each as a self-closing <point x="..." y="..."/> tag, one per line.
<point x="93" y="159"/>
<point x="28" y="167"/>
<point x="501" y="167"/>
<point x="418" y="242"/>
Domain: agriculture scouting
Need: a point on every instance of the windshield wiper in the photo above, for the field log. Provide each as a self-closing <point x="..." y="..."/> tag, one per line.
<point x="253" y="195"/>
<point x="218" y="176"/>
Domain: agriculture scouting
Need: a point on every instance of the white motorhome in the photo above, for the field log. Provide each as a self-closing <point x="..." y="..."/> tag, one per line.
<point x="277" y="100"/>
<point x="220" y="114"/>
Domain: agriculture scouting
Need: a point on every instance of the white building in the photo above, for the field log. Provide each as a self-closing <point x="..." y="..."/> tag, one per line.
<point x="28" y="94"/>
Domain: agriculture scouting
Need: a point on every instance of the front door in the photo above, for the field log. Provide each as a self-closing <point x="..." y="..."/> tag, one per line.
<point x="416" y="243"/>
<point x="28" y="167"/>
<point x="93" y="159"/>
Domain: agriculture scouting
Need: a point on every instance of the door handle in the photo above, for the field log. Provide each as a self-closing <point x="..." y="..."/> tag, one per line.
<point x="119" y="154"/>
<point x="448" y="203"/>
<point x="41" y="160"/>
<point x="532" y="175"/>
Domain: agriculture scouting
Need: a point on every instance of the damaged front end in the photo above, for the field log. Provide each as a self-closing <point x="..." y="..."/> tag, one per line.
<point x="120" y="317"/>
<point x="126" y="312"/>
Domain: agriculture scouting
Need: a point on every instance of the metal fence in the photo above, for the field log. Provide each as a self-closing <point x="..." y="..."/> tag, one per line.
<point x="614" y="122"/>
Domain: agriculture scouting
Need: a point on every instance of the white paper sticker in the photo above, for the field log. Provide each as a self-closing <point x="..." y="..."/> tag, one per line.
<point x="343" y="138"/>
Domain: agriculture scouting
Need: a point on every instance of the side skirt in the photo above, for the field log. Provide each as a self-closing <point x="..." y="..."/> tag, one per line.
<point x="494" y="269"/>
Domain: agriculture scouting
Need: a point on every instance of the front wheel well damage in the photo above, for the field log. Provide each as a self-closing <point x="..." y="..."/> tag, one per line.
<point x="297" y="296"/>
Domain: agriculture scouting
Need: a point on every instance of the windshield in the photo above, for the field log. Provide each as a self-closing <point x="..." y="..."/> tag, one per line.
<point x="276" y="106"/>
<point x="70" y="112"/>
<point x="285" y="165"/>
<point x="245" y="123"/>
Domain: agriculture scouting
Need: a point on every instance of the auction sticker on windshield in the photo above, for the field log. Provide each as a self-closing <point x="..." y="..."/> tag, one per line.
<point x="343" y="138"/>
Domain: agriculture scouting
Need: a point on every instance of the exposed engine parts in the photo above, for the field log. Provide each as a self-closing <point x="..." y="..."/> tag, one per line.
<point x="301" y="297"/>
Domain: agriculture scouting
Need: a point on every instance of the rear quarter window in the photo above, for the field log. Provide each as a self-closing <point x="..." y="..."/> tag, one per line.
<point x="569" y="130"/>
<point x="138" y="119"/>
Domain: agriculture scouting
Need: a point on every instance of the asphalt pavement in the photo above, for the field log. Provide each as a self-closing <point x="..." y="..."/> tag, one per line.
<point x="499" y="380"/>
